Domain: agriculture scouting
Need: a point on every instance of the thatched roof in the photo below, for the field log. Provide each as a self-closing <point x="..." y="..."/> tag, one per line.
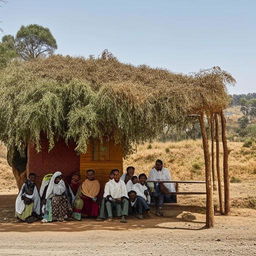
<point x="78" y="99"/>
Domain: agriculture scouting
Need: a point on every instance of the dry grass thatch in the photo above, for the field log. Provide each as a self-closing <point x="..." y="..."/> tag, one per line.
<point x="79" y="98"/>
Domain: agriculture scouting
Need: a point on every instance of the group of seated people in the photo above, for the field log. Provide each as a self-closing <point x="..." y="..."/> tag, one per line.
<point x="58" y="200"/>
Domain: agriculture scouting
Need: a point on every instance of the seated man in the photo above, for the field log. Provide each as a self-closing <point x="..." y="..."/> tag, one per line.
<point x="130" y="184"/>
<point x="27" y="205"/>
<point x="103" y="210"/>
<point x="160" y="190"/>
<point x="87" y="197"/>
<point x="115" y="194"/>
<point x="141" y="188"/>
<point x="138" y="205"/>
<point x="128" y="175"/>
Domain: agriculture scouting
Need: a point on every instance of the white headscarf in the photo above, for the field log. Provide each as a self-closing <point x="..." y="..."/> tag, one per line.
<point x="55" y="189"/>
<point x="45" y="182"/>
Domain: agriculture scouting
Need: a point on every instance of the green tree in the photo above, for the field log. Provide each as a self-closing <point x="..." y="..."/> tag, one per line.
<point x="243" y="102"/>
<point x="7" y="50"/>
<point x="243" y="122"/>
<point x="34" y="41"/>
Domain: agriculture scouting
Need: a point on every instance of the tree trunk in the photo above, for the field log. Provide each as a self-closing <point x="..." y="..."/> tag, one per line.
<point x="209" y="189"/>
<point x="218" y="162"/>
<point x="19" y="177"/>
<point x="225" y="164"/>
<point x="18" y="165"/>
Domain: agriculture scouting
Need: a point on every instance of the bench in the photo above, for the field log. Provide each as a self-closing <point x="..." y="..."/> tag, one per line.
<point x="177" y="182"/>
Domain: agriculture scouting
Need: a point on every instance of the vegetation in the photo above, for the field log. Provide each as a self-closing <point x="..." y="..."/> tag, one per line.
<point x="32" y="41"/>
<point x="78" y="99"/>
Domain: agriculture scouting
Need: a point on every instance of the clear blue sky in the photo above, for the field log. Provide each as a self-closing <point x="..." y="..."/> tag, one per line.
<point x="181" y="35"/>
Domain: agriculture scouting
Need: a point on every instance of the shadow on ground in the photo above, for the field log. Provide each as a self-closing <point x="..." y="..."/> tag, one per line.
<point x="172" y="220"/>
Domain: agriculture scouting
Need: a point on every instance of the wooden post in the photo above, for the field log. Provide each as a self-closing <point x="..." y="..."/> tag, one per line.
<point x="218" y="162"/>
<point x="209" y="190"/>
<point x="225" y="164"/>
<point x="212" y="152"/>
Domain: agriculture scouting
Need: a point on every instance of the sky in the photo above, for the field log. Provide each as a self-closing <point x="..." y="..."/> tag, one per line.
<point x="182" y="36"/>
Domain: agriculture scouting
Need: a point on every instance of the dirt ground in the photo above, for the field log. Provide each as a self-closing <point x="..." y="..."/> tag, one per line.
<point x="175" y="234"/>
<point x="160" y="236"/>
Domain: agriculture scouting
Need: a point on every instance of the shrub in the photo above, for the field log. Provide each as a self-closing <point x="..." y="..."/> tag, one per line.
<point x="197" y="166"/>
<point x="167" y="150"/>
<point x="235" y="180"/>
<point x="248" y="143"/>
<point x="149" y="146"/>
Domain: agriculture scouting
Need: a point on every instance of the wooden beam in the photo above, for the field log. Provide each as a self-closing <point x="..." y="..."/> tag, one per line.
<point x="178" y="181"/>
<point x="218" y="162"/>
<point x="209" y="189"/>
<point x="225" y="164"/>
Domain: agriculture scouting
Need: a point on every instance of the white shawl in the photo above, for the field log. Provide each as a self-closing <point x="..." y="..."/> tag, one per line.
<point x="20" y="205"/>
<point x="55" y="189"/>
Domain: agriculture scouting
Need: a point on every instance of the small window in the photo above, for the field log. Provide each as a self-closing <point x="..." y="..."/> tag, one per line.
<point x="100" y="150"/>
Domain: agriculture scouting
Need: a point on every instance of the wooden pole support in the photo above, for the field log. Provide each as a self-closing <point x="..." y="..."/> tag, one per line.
<point x="225" y="164"/>
<point x="209" y="189"/>
<point x="212" y="152"/>
<point x="218" y="162"/>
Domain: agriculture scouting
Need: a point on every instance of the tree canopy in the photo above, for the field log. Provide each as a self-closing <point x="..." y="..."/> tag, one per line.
<point x="78" y="99"/>
<point x="7" y="50"/>
<point x="33" y="41"/>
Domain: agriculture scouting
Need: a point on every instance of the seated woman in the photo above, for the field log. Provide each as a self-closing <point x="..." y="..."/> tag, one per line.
<point x="86" y="200"/>
<point x="43" y="189"/>
<point x="72" y="185"/>
<point x="57" y="205"/>
<point x="27" y="205"/>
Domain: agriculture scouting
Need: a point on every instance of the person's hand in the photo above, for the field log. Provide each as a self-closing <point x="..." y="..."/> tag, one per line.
<point x="146" y="193"/>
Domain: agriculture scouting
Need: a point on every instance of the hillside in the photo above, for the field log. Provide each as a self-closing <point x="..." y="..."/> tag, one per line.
<point x="184" y="158"/>
<point x="7" y="181"/>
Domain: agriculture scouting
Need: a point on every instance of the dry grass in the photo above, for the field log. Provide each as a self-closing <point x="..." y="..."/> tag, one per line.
<point x="7" y="181"/>
<point x="185" y="159"/>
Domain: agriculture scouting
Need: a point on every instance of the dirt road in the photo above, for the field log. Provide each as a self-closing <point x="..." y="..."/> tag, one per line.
<point x="233" y="235"/>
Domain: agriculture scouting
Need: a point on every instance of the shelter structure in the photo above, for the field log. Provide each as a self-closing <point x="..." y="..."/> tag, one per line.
<point x="69" y="114"/>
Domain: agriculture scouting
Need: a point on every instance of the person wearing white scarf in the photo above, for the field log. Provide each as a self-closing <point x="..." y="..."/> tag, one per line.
<point x="28" y="201"/>
<point x="57" y="205"/>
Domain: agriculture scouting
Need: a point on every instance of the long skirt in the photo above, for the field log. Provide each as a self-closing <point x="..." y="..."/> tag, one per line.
<point x="26" y="213"/>
<point x="60" y="208"/>
<point x="85" y="206"/>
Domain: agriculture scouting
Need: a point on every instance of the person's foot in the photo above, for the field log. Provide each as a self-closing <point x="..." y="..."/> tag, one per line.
<point x="147" y="214"/>
<point x="44" y="221"/>
<point x="99" y="219"/>
<point x="31" y="219"/>
<point x="123" y="220"/>
<point x="110" y="219"/>
<point x="140" y="216"/>
<point x="159" y="213"/>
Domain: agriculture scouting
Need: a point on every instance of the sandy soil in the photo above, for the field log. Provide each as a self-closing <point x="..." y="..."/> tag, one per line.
<point x="173" y="234"/>
<point x="163" y="236"/>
